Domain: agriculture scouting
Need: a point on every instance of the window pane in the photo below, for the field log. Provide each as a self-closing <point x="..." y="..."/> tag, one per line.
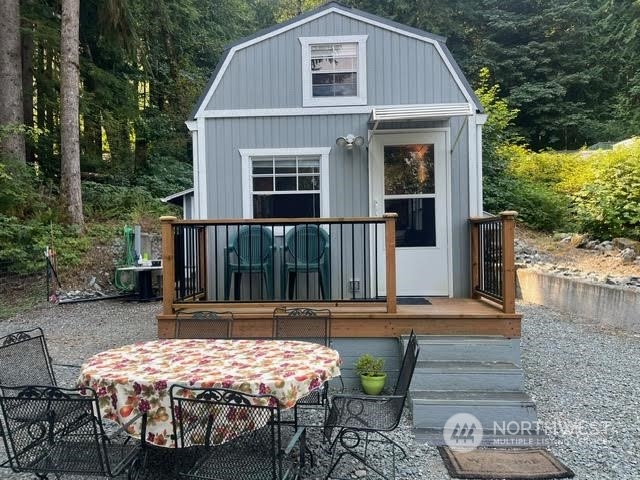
<point x="262" y="167"/>
<point x="263" y="184"/>
<point x="408" y="169"/>
<point x="322" y="79"/>
<point x="416" y="223"/>
<point x="309" y="183"/>
<point x="323" y="91"/>
<point x="285" y="183"/>
<point x="285" y="165"/>
<point x="345" y="49"/>
<point x="292" y="205"/>
<point x="308" y="165"/>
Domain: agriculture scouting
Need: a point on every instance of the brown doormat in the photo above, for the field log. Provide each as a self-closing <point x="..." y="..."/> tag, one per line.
<point x="504" y="463"/>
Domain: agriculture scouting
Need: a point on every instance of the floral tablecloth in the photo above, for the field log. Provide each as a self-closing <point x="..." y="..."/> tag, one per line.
<point x="136" y="378"/>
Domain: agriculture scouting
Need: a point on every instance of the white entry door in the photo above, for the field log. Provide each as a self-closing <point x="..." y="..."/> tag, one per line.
<point x="409" y="176"/>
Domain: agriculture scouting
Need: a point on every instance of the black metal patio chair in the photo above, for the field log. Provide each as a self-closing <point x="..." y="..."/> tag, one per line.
<point x="204" y="324"/>
<point x="362" y="419"/>
<point x="25" y="360"/>
<point x="307" y="325"/>
<point x="237" y="434"/>
<point x="54" y="431"/>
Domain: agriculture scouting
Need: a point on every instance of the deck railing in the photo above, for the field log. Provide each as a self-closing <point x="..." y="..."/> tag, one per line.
<point x="278" y="260"/>
<point x="492" y="259"/>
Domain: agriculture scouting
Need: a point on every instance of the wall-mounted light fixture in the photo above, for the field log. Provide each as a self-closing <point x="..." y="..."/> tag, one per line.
<point x="348" y="141"/>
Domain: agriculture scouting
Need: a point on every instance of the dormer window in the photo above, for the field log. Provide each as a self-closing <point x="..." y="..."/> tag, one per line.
<point x="334" y="70"/>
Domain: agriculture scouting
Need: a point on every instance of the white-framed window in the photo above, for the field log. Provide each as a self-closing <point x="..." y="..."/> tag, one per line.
<point x="285" y="183"/>
<point x="334" y="70"/>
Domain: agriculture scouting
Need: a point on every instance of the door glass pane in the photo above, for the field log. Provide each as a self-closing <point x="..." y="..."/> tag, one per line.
<point x="416" y="223"/>
<point x="263" y="184"/>
<point x="409" y="169"/>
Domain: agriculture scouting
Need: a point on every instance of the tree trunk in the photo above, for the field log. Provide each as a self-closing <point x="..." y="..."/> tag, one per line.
<point x="70" y="183"/>
<point x="11" y="114"/>
<point x="27" y="82"/>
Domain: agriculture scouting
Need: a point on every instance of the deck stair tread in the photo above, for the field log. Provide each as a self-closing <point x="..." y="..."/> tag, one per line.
<point x="472" y="397"/>
<point x="465" y="366"/>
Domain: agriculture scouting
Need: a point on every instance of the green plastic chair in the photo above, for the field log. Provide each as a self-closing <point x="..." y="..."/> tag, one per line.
<point x="306" y="250"/>
<point x="250" y="251"/>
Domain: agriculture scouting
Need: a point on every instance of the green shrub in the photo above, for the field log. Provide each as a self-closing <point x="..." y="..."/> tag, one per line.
<point x="128" y="204"/>
<point x="21" y="190"/>
<point x="609" y="206"/>
<point x="165" y="176"/>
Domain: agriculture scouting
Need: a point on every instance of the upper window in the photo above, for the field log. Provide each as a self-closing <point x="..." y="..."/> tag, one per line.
<point x="334" y="70"/>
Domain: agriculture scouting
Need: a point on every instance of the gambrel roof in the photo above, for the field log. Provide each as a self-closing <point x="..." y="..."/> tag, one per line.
<point x="334" y="7"/>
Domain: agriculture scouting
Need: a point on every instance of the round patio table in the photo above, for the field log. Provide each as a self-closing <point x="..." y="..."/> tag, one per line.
<point x="136" y="378"/>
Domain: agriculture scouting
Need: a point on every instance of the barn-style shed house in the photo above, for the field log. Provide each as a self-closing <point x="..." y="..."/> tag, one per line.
<point x="338" y="164"/>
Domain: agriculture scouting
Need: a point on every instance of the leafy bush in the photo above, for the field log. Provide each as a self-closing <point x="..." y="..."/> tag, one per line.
<point x="20" y="190"/>
<point x="128" y="204"/>
<point x="165" y="176"/>
<point x="609" y="206"/>
<point x="538" y="204"/>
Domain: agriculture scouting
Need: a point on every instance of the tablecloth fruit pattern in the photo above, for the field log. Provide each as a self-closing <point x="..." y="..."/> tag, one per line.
<point x="135" y="378"/>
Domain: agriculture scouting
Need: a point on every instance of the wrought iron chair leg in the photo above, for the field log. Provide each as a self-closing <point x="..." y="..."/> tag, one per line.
<point x="362" y="460"/>
<point x="404" y="454"/>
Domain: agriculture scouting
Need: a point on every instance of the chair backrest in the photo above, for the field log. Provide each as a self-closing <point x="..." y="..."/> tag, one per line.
<point x="305" y="324"/>
<point x="238" y="425"/>
<point x="253" y="244"/>
<point x="24" y="359"/>
<point x="204" y="324"/>
<point x="408" y="366"/>
<point x="54" y="430"/>
<point x="307" y="243"/>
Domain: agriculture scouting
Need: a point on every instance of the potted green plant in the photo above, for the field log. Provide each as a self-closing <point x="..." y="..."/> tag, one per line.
<point x="371" y="371"/>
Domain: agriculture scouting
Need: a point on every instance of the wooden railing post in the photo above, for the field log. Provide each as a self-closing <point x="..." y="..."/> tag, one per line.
<point x="508" y="261"/>
<point x="168" y="265"/>
<point x="390" y="247"/>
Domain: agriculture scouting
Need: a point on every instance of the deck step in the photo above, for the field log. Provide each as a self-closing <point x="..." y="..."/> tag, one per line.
<point x="432" y="409"/>
<point x="470" y="348"/>
<point x="465" y="376"/>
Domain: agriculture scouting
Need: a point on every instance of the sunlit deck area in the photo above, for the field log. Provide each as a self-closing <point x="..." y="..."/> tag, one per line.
<point x="195" y="279"/>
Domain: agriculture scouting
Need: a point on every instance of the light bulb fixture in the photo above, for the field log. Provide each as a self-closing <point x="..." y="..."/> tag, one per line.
<point x="348" y="141"/>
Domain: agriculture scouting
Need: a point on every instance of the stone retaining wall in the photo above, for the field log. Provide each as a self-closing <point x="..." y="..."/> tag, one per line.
<point x="602" y="304"/>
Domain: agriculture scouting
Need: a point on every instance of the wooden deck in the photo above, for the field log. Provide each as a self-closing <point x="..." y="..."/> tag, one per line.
<point x="445" y="316"/>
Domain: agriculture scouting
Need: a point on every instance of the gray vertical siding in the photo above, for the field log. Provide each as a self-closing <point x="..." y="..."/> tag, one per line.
<point x="400" y="70"/>
<point x="348" y="170"/>
<point x="460" y="207"/>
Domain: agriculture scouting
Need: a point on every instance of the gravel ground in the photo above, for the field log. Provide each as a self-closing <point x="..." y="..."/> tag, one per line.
<point x="584" y="379"/>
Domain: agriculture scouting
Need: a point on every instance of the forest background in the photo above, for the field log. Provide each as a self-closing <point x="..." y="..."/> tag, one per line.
<point x="555" y="76"/>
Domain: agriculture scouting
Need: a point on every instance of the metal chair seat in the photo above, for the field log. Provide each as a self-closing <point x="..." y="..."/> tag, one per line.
<point x="57" y="433"/>
<point x="237" y="435"/>
<point x="363" y="419"/>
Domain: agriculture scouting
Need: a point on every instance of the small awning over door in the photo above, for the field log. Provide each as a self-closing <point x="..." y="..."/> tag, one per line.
<point x="433" y="111"/>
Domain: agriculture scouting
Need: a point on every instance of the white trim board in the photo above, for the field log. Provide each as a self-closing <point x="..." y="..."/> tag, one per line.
<point x="310" y="18"/>
<point x="439" y="110"/>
